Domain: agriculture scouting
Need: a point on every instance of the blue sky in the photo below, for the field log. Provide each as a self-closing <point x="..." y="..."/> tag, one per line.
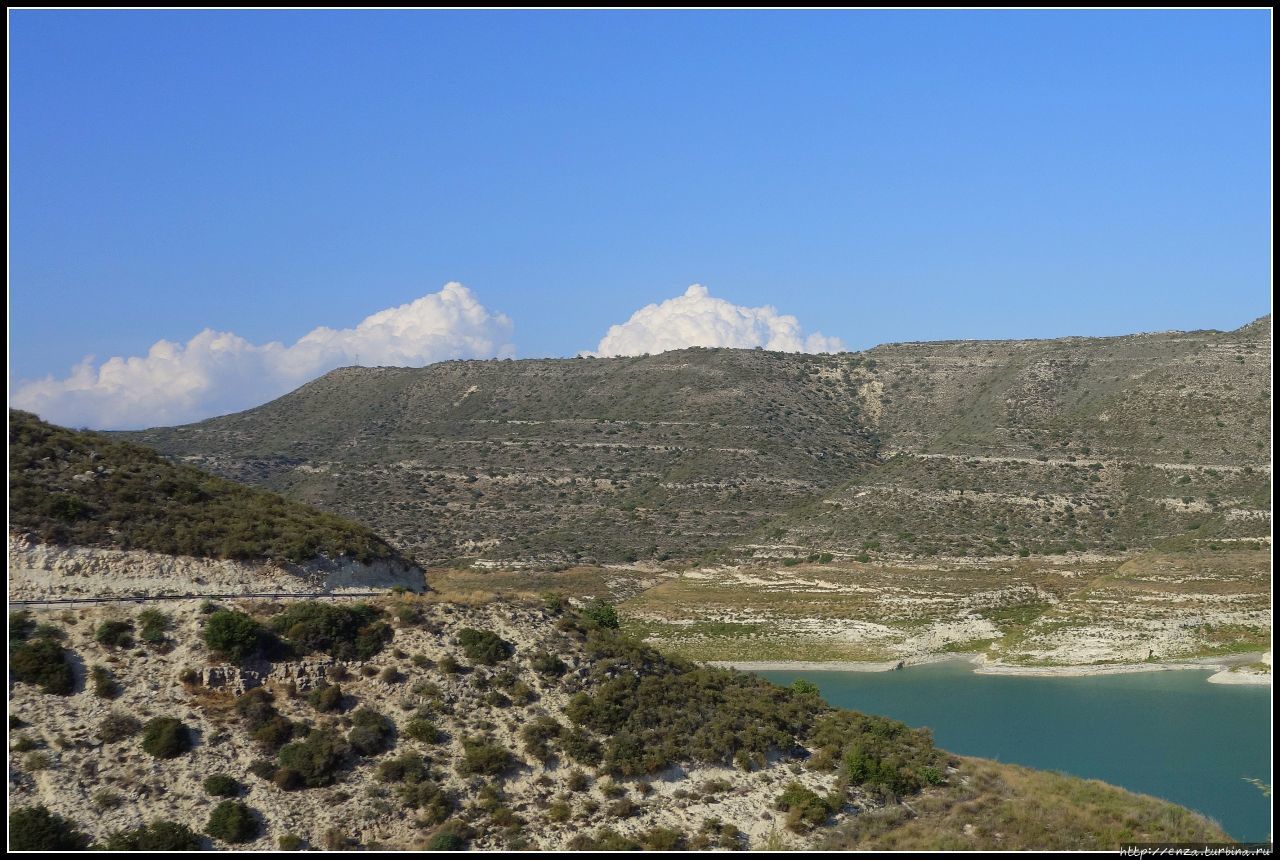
<point x="880" y="176"/>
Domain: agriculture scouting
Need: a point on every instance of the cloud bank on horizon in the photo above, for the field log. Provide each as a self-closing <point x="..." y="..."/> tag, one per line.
<point x="697" y="319"/>
<point x="219" y="372"/>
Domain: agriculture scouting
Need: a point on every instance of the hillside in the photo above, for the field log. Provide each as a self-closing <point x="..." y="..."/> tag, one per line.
<point x="91" y="513"/>
<point x="436" y="722"/>
<point x="966" y="448"/>
<point x="665" y="456"/>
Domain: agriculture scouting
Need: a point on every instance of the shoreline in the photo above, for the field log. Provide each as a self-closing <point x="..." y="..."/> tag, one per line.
<point x="1220" y="666"/>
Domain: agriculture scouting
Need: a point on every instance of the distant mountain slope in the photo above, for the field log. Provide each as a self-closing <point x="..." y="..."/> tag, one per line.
<point x="604" y="459"/>
<point x="93" y="490"/>
<point x="964" y="447"/>
<point x="993" y="447"/>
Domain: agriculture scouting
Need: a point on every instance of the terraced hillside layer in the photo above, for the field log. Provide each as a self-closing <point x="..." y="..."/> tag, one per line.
<point x="967" y="448"/>
<point x="82" y="489"/>
<point x="430" y="723"/>
<point x="1033" y="447"/>
<point x="552" y="460"/>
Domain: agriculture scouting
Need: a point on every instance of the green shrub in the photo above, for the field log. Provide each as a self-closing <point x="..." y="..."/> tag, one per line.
<point x="25" y="743"/>
<point x="232" y="821"/>
<point x="874" y="751"/>
<point x="430" y="800"/>
<point x="35" y="828"/>
<point x="221" y="785"/>
<point x="116" y="726"/>
<point x="21" y="626"/>
<point x="410" y="767"/>
<point x="484" y="646"/>
<point x="537" y="735"/>
<point x="316" y="758"/>
<point x="581" y="747"/>
<point x="233" y="635"/>
<point x="343" y="632"/>
<point x="662" y="839"/>
<point x="157" y="836"/>
<point x="657" y="711"/>
<point x="154" y="625"/>
<point x="805" y="808"/>
<point x="422" y="729"/>
<point x="37" y="761"/>
<point x="105" y="798"/>
<point x="45" y="663"/>
<point x="605" y="839"/>
<point x="289" y="842"/>
<point x="452" y="836"/>
<point x="166" y="737"/>
<point x="114" y="634"/>
<point x="600" y="613"/>
<point x="327" y="698"/>
<point x="546" y="663"/>
<point x="371" y="732"/>
<point x="484" y="756"/>
<point x="104" y="685"/>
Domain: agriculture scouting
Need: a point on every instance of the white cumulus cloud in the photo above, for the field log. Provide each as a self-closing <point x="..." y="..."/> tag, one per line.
<point x="218" y="372"/>
<point x="697" y="319"/>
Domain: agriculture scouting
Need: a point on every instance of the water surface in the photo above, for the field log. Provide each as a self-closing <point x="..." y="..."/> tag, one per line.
<point x="1168" y="734"/>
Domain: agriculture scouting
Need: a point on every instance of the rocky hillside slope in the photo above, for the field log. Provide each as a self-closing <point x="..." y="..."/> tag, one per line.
<point x="424" y="722"/>
<point x="966" y="448"/>
<point x="91" y="514"/>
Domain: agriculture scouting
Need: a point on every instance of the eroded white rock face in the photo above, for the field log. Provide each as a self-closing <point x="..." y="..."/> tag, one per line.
<point x="39" y="570"/>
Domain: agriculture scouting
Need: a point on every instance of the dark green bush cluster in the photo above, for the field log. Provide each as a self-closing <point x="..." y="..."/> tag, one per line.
<point x="264" y="723"/>
<point x="876" y="751"/>
<point x="315" y="760"/>
<point x="221" y="785"/>
<point x="327" y="698"/>
<point x="232" y="821"/>
<point x="546" y="663"/>
<point x="420" y="728"/>
<point x="35" y="828"/>
<point x="537" y="736"/>
<point x="607" y="839"/>
<point x="416" y="787"/>
<point x="159" y="835"/>
<point x="371" y="732"/>
<point x="453" y="835"/>
<point x="600" y="613"/>
<point x="39" y="660"/>
<point x="234" y="635"/>
<point x="805" y="808"/>
<point x="114" y="634"/>
<point x="343" y="632"/>
<point x="715" y="832"/>
<point x="166" y="737"/>
<point x="484" y="646"/>
<point x="104" y="684"/>
<point x="656" y="712"/>
<point x="139" y="500"/>
<point x="484" y="756"/>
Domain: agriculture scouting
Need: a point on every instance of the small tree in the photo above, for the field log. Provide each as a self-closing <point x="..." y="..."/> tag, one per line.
<point x="166" y="737"/>
<point x="232" y="821"/>
<point x="601" y="613"/>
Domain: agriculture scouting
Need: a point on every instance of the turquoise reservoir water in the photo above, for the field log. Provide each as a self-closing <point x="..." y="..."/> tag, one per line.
<point x="1168" y="734"/>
